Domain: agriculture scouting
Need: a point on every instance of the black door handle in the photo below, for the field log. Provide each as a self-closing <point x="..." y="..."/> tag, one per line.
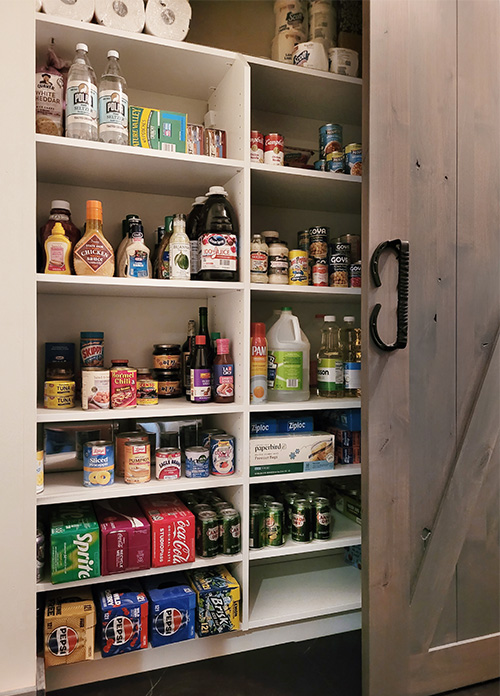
<point x="402" y="251"/>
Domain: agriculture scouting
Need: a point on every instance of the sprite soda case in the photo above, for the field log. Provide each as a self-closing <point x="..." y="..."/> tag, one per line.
<point x="74" y="542"/>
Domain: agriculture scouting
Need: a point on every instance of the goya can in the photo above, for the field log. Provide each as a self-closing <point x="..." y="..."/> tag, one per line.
<point x="98" y="463"/>
<point x="275" y="519"/>
<point x="137" y="461"/>
<point x="354" y="159"/>
<point x="274" y="149"/>
<point x="59" y="395"/>
<point x="197" y="462"/>
<point x="222" y="455"/>
<point x="339" y="247"/>
<point x="91" y="349"/>
<point x="207" y="534"/>
<point x="335" y="163"/>
<point x="298" y="269"/>
<point x="319" y="273"/>
<point x="322" y="518"/>
<point x="230" y="542"/>
<point x="339" y="270"/>
<point x="168" y="463"/>
<point x="257" y="526"/>
<point x="355" y="275"/>
<point x="256" y="146"/>
<point x="301" y="529"/>
<point x="123" y="385"/>
<point x="95" y="389"/>
<point x="120" y="440"/>
<point x="318" y="246"/>
<point x="330" y="139"/>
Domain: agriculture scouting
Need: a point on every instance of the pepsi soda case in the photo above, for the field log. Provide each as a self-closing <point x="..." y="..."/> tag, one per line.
<point x="172" y="605"/>
<point x="122" y="618"/>
<point x="218" y="600"/>
<point x="69" y="624"/>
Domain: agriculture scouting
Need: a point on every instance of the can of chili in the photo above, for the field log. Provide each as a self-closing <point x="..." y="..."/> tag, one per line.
<point x="274" y="149"/>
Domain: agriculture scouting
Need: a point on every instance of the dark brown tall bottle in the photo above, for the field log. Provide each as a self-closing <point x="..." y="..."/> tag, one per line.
<point x="60" y="211"/>
<point x="223" y="373"/>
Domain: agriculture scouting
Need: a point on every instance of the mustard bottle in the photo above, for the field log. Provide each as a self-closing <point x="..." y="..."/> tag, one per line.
<point x="58" y="251"/>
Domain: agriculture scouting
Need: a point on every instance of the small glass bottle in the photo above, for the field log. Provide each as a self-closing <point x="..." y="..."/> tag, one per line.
<point x="223" y="373"/>
<point x="259" y="256"/>
<point x="330" y="376"/>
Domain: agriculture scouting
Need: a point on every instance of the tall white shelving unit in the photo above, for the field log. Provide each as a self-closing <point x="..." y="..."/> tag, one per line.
<point x="289" y="593"/>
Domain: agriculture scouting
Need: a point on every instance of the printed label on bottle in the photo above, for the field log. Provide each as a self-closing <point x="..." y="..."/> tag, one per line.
<point x="81" y="103"/>
<point x="330" y="375"/>
<point x="224" y="380"/>
<point x="94" y="253"/>
<point x="137" y="263"/>
<point x="278" y="265"/>
<point x="56" y="257"/>
<point x="179" y="260"/>
<point x="193" y="244"/>
<point x="165" y="265"/>
<point x="352" y="375"/>
<point x="113" y="111"/>
<point x="285" y="370"/>
<point x="200" y="385"/>
<point x="258" y="262"/>
<point x="217" y="252"/>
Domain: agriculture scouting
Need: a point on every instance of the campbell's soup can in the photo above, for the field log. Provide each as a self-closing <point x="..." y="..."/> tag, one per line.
<point x="320" y="273"/>
<point x="355" y="275"/>
<point x="330" y="139"/>
<point x="354" y="159"/>
<point x="298" y="269"/>
<point x="256" y="146"/>
<point x="273" y="149"/>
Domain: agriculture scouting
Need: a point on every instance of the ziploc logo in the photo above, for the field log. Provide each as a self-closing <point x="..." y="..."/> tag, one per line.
<point x="259" y="428"/>
<point x="297" y="425"/>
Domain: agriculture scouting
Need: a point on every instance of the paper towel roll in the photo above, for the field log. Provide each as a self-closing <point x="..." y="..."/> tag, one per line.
<point x="292" y="15"/>
<point x="79" y="10"/>
<point x="343" y="61"/>
<point x="128" y="15"/>
<point x="168" y="19"/>
<point x="310" y="54"/>
<point x="323" y="23"/>
<point x="283" y="45"/>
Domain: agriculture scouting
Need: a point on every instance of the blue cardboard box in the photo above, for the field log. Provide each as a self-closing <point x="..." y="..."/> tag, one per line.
<point x="172" y="605"/>
<point x="123" y="618"/>
<point x="263" y="426"/>
<point x="350" y="419"/>
<point x="296" y="425"/>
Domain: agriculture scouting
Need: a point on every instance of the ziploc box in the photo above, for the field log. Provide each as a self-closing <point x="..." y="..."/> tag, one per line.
<point x="349" y="419"/>
<point x="296" y="425"/>
<point x="172" y="529"/>
<point x="74" y="542"/>
<point x="172" y="605"/>
<point x="218" y="605"/>
<point x="69" y="626"/>
<point x="288" y="454"/>
<point x="172" y="131"/>
<point x="144" y="127"/>
<point x="122" y="618"/>
<point x="263" y="426"/>
<point x="125" y="536"/>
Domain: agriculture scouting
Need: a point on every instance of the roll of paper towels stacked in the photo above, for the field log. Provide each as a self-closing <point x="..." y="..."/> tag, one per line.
<point x="168" y="19"/>
<point x="291" y="28"/>
<point x="310" y="54"/>
<point x="323" y="23"/>
<point x="127" y="15"/>
<point x="79" y="10"/>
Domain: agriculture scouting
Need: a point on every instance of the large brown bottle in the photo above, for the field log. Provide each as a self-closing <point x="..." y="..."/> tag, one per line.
<point x="60" y="211"/>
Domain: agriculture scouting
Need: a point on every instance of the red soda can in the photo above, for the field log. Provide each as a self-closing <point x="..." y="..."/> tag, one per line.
<point x="256" y="146"/>
<point x="273" y="149"/>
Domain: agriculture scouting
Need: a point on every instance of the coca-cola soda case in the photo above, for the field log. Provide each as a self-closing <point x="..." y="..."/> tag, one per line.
<point x="125" y="536"/>
<point x="172" y="606"/>
<point x="172" y="529"/>
<point x="122" y="618"/>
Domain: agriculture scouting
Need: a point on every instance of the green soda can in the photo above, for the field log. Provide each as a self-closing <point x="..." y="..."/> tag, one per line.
<point x="207" y="534"/>
<point x="265" y="500"/>
<point x="275" y="518"/>
<point x="201" y="507"/>
<point x="301" y="520"/>
<point x="257" y="526"/>
<point x="322" y="518"/>
<point x="231" y="532"/>
<point x="289" y="498"/>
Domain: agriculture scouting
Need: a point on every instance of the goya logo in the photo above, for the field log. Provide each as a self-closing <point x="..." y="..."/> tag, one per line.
<point x="169" y="621"/>
<point x="62" y="641"/>
<point x="119" y="630"/>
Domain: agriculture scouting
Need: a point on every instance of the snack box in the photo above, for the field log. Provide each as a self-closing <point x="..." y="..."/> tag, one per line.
<point x="218" y="600"/>
<point x="352" y="556"/>
<point x="69" y="626"/>
<point x="74" y="542"/>
<point x="122" y="618"/>
<point x="263" y="426"/>
<point x="144" y="127"/>
<point x="172" y="605"/>
<point x="125" y="536"/>
<point x="172" y="529"/>
<point x="291" y="453"/>
<point x="348" y="506"/>
<point x="296" y="425"/>
<point x="172" y="131"/>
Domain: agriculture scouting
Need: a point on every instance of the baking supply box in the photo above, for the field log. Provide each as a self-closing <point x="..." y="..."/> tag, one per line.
<point x="291" y="453"/>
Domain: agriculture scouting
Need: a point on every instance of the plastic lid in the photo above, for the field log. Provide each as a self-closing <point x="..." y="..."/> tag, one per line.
<point x="91" y="334"/>
<point x="222" y="346"/>
<point x="271" y="233"/>
<point x="258" y="328"/>
<point x="113" y="54"/>
<point x="330" y="317"/>
<point x="199" y="200"/>
<point x="82" y="47"/>
<point x="286" y="309"/>
<point x="94" y="210"/>
<point x="63" y="205"/>
<point x="214" y="335"/>
<point x="216" y="191"/>
<point x="58" y="229"/>
<point x="200" y="340"/>
<point x="349" y="319"/>
<point x="119" y="362"/>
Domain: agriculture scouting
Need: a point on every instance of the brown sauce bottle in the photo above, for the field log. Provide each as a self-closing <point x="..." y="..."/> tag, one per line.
<point x="223" y="373"/>
<point x="60" y="211"/>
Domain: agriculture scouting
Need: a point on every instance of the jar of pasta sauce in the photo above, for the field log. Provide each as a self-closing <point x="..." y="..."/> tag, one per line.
<point x="167" y="356"/>
<point x="169" y="383"/>
<point x="147" y="387"/>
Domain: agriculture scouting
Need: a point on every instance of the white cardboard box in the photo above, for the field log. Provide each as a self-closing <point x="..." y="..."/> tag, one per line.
<point x="293" y="453"/>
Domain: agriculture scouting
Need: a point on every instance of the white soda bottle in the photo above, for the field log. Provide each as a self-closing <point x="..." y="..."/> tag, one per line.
<point x="113" y="103"/>
<point x="81" y="97"/>
<point x="288" y="360"/>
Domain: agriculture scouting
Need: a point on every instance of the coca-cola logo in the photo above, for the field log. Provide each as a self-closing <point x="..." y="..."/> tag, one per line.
<point x="181" y="551"/>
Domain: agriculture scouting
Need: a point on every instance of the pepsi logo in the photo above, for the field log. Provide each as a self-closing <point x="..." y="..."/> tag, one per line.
<point x="119" y="630"/>
<point x="62" y="641"/>
<point x="168" y="621"/>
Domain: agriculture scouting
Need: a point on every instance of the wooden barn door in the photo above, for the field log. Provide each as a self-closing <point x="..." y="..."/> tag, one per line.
<point x="431" y="411"/>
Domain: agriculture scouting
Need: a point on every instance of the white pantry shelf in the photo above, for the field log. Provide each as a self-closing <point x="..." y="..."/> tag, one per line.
<point x="313" y="403"/>
<point x="303" y="293"/>
<point x="340" y="470"/>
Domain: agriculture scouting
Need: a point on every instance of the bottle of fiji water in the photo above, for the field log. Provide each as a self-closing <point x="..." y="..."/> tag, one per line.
<point x="351" y="341"/>
<point x="81" y="97"/>
<point x="218" y="235"/>
<point x="113" y="103"/>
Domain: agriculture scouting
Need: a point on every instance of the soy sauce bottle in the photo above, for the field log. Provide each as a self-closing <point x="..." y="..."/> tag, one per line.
<point x="201" y="381"/>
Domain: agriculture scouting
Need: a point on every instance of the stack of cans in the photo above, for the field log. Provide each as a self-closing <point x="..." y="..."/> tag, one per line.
<point x="218" y="524"/>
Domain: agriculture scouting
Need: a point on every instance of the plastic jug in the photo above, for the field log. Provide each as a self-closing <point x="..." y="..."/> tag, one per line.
<point x="288" y="360"/>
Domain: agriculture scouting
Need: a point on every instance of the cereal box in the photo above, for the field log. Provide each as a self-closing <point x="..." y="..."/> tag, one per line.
<point x="74" y="542"/>
<point x="172" y="529"/>
<point x="172" y="605"/>
<point x="172" y="131"/>
<point x="125" y="536"/>
<point x="69" y="623"/>
<point x="123" y="618"/>
<point x="144" y="127"/>
<point x="218" y="605"/>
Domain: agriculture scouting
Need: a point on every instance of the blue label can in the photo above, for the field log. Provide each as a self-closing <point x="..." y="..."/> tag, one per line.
<point x="197" y="462"/>
<point x="354" y="159"/>
<point x="98" y="463"/>
<point x="330" y="139"/>
<point x="222" y="455"/>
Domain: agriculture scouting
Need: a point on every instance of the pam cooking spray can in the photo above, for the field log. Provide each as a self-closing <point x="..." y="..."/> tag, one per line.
<point x="258" y="364"/>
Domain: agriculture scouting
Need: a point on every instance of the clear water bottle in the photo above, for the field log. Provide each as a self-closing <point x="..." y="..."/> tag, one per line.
<point x="113" y="103"/>
<point x="81" y="97"/>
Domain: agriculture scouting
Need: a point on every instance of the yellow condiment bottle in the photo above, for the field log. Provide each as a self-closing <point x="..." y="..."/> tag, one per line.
<point x="58" y="251"/>
<point x="93" y="254"/>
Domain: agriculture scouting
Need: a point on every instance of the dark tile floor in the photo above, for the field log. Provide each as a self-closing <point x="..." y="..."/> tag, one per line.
<point x="330" y="666"/>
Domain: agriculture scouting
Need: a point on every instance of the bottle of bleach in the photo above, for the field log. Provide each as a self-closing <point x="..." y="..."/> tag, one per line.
<point x="288" y="360"/>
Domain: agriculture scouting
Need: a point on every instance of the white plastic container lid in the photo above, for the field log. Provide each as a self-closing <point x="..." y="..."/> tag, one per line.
<point x="82" y="47"/>
<point x="349" y="319"/>
<point x="199" y="200"/>
<point x="60" y="204"/>
<point x="216" y="190"/>
<point x="330" y="317"/>
<point x="113" y="54"/>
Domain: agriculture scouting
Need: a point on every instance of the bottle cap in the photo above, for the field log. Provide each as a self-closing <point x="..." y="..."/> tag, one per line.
<point x="113" y="54"/>
<point x="330" y="317"/>
<point x="94" y="210"/>
<point x="199" y="200"/>
<point x="258" y="329"/>
<point x="222" y="346"/>
<point x="61" y="205"/>
<point x="349" y="319"/>
<point x="216" y="191"/>
<point x="58" y="229"/>
<point x="82" y="47"/>
<point x="92" y="334"/>
<point x="214" y="335"/>
<point x="286" y="309"/>
<point x="200" y="340"/>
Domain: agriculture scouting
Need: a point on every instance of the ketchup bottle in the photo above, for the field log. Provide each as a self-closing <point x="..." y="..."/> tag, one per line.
<point x="223" y="373"/>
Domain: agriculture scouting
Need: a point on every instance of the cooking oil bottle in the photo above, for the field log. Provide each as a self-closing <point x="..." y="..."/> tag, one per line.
<point x="330" y="382"/>
<point x="351" y="341"/>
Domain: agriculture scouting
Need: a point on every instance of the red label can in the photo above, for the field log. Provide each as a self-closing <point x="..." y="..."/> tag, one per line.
<point x="273" y="149"/>
<point x="256" y="146"/>
<point x="123" y="385"/>
<point x="320" y="273"/>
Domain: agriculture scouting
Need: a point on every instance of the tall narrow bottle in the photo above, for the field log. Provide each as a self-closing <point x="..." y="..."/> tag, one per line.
<point x="351" y="341"/>
<point x="186" y="350"/>
<point x="203" y="331"/>
<point x="113" y="103"/>
<point x="93" y="255"/>
<point x="160" y="233"/>
<point x="201" y="377"/>
<point x="179" y="250"/>
<point x="330" y="361"/>
<point x="163" y="265"/>
<point x="192" y="232"/>
<point x="81" y="97"/>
